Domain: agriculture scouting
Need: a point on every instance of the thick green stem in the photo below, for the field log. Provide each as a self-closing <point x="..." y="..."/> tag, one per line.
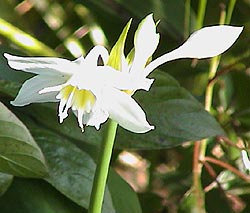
<point x="102" y="169"/>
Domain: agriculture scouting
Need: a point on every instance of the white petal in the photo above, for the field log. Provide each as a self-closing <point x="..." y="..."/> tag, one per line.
<point x="121" y="80"/>
<point x="94" y="54"/>
<point x="204" y="43"/>
<point x="123" y="109"/>
<point x="42" y="65"/>
<point x="145" y="42"/>
<point x="56" y="88"/>
<point x="210" y="41"/>
<point x="94" y="118"/>
<point x="245" y="159"/>
<point x="29" y="93"/>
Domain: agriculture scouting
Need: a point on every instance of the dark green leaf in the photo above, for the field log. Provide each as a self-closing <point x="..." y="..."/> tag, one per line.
<point x="19" y="153"/>
<point x="128" y="201"/>
<point x="178" y="117"/>
<point x="29" y="196"/>
<point x="71" y="170"/>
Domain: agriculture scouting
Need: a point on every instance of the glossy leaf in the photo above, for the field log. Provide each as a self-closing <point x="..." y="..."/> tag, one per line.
<point x="177" y="116"/>
<point x="70" y="170"/>
<point x="29" y="196"/>
<point x="19" y="153"/>
<point x="128" y="200"/>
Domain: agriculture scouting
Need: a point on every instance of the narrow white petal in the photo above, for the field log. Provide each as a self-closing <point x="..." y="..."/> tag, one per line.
<point x="245" y="159"/>
<point x="204" y="43"/>
<point x="56" y="88"/>
<point x="95" y="117"/>
<point x="146" y="41"/>
<point x="29" y="93"/>
<point x="80" y="114"/>
<point x="123" y="109"/>
<point x="67" y="104"/>
<point x="42" y="65"/>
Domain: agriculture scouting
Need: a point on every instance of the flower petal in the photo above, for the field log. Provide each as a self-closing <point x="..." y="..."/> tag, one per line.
<point x="121" y="80"/>
<point x="29" y="93"/>
<point x="210" y="41"/>
<point x="204" y="43"/>
<point x="94" y="53"/>
<point x="245" y="159"/>
<point x="123" y="109"/>
<point x="94" y="118"/>
<point x="42" y="65"/>
<point x="146" y="41"/>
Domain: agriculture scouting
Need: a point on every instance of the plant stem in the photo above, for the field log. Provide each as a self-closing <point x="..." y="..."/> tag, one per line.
<point x="187" y="19"/>
<point x="201" y="146"/>
<point x="102" y="168"/>
<point x="201" y="14"/>
<point x="230" y="11"/>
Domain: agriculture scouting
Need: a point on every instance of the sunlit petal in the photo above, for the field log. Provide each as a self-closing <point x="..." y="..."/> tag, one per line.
<point x="94" y="53"/>
<point x="245" y="159"/>
<point x="204" y="43"/>
<point x="42" y="65"/>
<point x="145" y="42"/>
<point x="123" y="109"/>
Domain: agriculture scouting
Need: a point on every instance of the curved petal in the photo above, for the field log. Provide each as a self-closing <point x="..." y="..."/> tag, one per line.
<point x="42" y="65"/>
<point x="146" y="41"/>
<point x="95" y="52"/>
<point x="29" y="93"/>
<point x="94" y="118"/>
<point x="123" y="109"/>
<point x="204" y="43"/>
<point x="245" y="159"/>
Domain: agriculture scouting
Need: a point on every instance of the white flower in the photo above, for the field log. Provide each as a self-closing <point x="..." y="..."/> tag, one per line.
<point x="96" y="92"/>
<point x="245" y="159"/>
<point x="93" y="92"/>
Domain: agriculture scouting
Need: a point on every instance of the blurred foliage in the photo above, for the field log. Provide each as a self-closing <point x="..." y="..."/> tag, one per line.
<point x="62" y="159"/>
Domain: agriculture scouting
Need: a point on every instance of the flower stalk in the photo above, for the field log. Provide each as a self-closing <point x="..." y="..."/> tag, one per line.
<point x="200" y="147"/>
<point x="102" y="168"/>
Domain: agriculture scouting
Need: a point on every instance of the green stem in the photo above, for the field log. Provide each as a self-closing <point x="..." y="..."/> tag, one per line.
<point x="230" y="11"/>
<point x="102" y="169"/>
<point x="209" y="90"/>
<point x="187" y="19"/>
<point x="201" y="146"/>
<point x="201" y="13"/>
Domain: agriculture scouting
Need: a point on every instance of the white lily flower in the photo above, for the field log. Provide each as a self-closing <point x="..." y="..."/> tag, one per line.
<point x="93" y="92"/>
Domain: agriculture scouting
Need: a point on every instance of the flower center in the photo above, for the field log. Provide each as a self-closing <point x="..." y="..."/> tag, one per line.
<point x="81" y="101"/>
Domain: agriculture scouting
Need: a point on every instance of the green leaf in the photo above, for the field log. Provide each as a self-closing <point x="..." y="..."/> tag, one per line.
<point x="128" y="201"/>
<point x="19" y="153"/>
<point x="71" y="170"/>
<point x="117" y="52"/>
<point x="29" y="196"/>
<point x="5" y="182"/>
<point x="178" y="117"/>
